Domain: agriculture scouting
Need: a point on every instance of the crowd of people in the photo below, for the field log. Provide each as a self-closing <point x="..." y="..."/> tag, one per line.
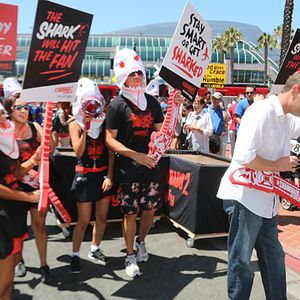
<point x="111" y="141"/>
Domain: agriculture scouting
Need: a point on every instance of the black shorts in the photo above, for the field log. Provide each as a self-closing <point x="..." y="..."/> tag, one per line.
<point x="88" y="187"/>
<point x="139" y="196"/>
<point x="13" y="226"/>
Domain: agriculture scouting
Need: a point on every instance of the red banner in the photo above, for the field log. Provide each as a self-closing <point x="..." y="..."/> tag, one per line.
<point x="8" y="32"/>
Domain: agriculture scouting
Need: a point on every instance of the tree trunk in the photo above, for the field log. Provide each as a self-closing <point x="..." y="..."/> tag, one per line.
<point x="266" y="64"/>
<point x="286" y="28"/>
<point x="231" y="64"/>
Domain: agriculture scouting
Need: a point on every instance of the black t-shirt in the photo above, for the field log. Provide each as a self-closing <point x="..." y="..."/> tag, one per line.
<point x="95" y="152"/>
<point x="134" y="130"/>
<point x="12" y="213"/>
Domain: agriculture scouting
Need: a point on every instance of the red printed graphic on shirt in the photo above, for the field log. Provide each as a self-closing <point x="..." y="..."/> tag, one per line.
<point x="141" y="123"/>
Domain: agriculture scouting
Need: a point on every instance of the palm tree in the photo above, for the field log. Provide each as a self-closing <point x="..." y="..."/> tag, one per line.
<point x="218" y="44"/>
<point x="277" y="33"/>
<point x="286" y="29"/>
<point x="266" y="41"/>
<point x="231" y="36"/>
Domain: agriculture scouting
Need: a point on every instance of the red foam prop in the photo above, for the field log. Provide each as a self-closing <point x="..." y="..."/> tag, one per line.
<point x="160" y="141"/>
<point x="268" y="182"/>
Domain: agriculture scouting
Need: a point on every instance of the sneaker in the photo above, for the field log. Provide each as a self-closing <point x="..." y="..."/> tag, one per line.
<point x="141" y="252"/>
<point x="75" y="265"/>
<point x="131" y="267"/>
<point x="47" y="277"/>
<point x="99" y="257"/>
<point x="20" y="269"/>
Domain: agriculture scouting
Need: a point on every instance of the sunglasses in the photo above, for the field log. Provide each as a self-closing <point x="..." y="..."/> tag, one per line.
<point x="249" y="93"/>
<point x="19" y="107"/>
<point x="136" y="73"/>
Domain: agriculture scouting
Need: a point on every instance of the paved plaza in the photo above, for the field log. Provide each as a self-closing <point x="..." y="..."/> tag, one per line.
<point x="173" y="271"/>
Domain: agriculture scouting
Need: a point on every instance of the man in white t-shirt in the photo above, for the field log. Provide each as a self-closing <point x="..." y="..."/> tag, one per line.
<point x="262" y="145"/>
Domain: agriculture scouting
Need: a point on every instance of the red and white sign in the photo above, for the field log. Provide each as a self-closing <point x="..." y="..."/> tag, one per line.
<point x="188" y="55"/>
<point x="8" y="38"/>
<point x="8" y="32"/>
<point x="267" y="182"/>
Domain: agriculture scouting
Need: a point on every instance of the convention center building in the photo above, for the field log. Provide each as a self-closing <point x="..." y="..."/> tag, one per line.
<point x="151" y="43"/>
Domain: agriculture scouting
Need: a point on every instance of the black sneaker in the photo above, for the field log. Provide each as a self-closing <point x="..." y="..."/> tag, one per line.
<point x="75" y="265"/>
<point x="99" y="257"/>
<point x="47" y="277"/>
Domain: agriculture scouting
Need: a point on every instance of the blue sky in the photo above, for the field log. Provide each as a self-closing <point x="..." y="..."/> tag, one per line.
<point x="110" y="15"/>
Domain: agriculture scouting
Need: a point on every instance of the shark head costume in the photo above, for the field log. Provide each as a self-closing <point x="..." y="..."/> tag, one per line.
<point x="89" y="101"/>
<point x="11" y="86"/>
<point x="8" y="142"/>
<point x="126" y="62"/>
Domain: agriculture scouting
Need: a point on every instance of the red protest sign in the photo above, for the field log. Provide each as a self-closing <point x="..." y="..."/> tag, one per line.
<point x="8" y="37"/>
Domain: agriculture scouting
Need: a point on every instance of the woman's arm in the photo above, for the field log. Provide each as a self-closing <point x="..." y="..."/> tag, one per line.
<point x="15" y="195"/>
<point x="78" y="138"/>
<point x="108" y="181"/>
<point x="29" y="164"/>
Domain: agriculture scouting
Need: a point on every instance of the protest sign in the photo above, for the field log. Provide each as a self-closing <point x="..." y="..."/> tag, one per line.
<point x="8" y="38"/>
<point x="57" y="49"/>
<point x="189" y="53"/>
<point x="215" y="76"/>
<point x="290" y="65"/>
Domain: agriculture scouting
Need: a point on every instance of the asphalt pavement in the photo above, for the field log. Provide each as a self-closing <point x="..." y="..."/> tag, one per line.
<point x="173" y="271"/>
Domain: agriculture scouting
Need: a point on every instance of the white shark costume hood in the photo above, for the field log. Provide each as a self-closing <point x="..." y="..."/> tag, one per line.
<point x="8" y="141"/>
<point x="89" y="101"/>
<point x="153" y="88"/>
<point x="127" y="61"/>
<point x="11" y="86"/>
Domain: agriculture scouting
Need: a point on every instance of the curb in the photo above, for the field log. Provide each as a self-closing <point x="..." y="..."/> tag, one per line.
<point x="292" y="258"/>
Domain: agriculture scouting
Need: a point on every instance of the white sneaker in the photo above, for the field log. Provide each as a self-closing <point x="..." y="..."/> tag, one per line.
<point x="20" y="269"/>
<point x="131" y="267"/>
<point x="141" y="252"/>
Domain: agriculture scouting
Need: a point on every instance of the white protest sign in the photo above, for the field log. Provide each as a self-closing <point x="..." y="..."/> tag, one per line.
<point x="189" y="53"/>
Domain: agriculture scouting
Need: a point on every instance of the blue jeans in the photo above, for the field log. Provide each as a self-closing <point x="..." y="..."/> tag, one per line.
<point x="248" y="231"/>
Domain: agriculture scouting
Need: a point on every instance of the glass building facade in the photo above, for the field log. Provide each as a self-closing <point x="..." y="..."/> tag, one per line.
<point x="101" y="49"/>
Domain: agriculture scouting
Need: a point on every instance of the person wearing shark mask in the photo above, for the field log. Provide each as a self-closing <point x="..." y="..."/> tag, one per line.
<point x="13" y="203"/>
<point x="131" y="118"/>
<point x="94" y="171"/>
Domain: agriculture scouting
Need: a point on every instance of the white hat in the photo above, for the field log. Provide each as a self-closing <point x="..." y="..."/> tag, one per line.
<point x="88" y="88"/>
<point x="217" y="95"/>
<point x="11" y="86"/>
<point x="127" y="61"/>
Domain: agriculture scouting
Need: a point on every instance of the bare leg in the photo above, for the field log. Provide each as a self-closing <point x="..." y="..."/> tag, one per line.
<point x="129" y="230"/>
<point x="7" y="272"/>
<point x="19" y="257"/>
<point x="84" y="215"/>
<point x="145" y="223"/>
<point x="39" y="229"/>
<point x="102" y="208"/>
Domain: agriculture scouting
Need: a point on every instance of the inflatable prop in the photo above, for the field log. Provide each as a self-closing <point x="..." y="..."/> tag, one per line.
<point x="267" y="182"/>
<point x="160" y="141"/>
<point x="46" y="190"/>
